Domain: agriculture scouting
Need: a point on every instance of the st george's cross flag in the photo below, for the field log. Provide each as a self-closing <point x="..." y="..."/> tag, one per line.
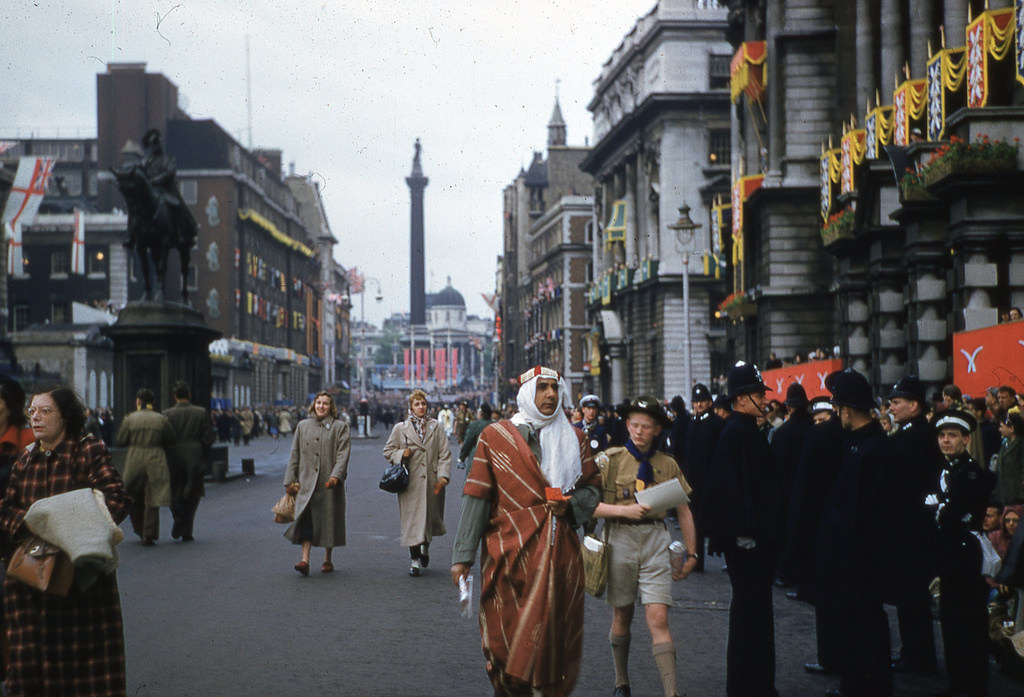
<point x="23" y="204"/>
<point x="78" y="243"/>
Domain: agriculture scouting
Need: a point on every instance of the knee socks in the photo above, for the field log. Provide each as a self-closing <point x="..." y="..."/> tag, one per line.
<point x="665" y="658"/>
<point x="620" y="654"/>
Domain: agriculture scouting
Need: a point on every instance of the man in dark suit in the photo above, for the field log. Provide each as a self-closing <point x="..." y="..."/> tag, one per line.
<point x="185" y="458"/>
<point x="786" y="444"/>
<point x="742" y="514"/>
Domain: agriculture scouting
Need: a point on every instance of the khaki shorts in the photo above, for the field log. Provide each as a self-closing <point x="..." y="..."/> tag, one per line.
<point x="639" y="562"/>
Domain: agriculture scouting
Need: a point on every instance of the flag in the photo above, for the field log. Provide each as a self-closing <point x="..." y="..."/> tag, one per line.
<point x="78" y="243"/>
<point x="14" y="259"/>
<point x="28" y="189"/>
<point x="356" y="281"/>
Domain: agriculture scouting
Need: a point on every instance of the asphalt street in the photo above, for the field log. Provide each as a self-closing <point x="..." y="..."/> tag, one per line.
<point x="227" y="615"/>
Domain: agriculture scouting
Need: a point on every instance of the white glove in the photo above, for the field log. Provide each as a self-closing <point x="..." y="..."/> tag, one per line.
<point x="746" y="542"/>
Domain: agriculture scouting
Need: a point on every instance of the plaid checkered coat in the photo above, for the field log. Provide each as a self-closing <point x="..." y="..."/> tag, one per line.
<point x="72" y="645"/>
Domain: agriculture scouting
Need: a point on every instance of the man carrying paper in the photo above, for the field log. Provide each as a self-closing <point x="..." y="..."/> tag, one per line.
<point x="638" y="549"/>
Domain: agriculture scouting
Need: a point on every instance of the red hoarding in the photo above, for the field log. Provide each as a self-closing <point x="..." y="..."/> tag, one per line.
<point x="989" y="357"/>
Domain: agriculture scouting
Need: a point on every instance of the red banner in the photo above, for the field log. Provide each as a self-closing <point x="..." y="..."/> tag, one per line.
<point x="811" y="375"/>
<point x="405" y="365"/>
<point x="989" y="357"/>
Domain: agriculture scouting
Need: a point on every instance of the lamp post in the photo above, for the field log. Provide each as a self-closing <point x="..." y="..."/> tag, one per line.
<point x="362" y="332"/>
<point x="684" y="228"/>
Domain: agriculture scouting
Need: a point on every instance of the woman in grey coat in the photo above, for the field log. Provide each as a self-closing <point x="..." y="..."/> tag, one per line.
<point x="316" y="471"/>
<point x="421" y="443"/>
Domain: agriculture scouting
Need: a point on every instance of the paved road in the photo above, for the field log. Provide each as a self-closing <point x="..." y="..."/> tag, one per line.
<point x="226" y="615"/>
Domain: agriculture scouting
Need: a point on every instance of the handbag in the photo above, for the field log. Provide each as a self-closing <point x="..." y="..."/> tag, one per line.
<point x="395" y="478"/>
<point x="595" y="563"/>
<point x="43" y="566"/>
<point x="284" y="509"/>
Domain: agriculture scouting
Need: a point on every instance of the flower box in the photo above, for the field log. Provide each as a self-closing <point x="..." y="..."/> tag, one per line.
<point x="935" y="173"/>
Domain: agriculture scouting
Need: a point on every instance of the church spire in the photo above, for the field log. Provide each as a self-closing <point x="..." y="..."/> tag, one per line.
<point x="556" y="126"/>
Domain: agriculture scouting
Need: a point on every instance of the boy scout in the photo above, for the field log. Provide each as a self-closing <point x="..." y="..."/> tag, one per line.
<point x="638" y="549"/>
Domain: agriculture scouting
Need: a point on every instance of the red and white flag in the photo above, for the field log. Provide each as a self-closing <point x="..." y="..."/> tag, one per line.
<point x="78" y="243"/>
<point x="23" y="204"/>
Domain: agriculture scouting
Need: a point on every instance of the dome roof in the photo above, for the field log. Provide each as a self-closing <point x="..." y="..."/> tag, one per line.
<point x="446" y="297"/>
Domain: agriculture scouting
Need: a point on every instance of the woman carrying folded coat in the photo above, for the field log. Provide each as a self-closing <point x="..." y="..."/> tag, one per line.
<point x="70" y="645"/>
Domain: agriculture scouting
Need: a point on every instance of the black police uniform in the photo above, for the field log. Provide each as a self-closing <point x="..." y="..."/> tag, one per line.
<point x="964" y="489"/>
<point x="849" y="574"/>
<point x="597" y="438"/>
<point x="741" y="499"/>
<point x="918" y="462"/>
<point x="702" y="436"/>
<point x="786" y="446"/>
<point x="816" y="474"/>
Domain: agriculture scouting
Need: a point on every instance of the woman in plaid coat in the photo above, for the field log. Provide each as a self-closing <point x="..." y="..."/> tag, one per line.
<point x="73" y="645"/>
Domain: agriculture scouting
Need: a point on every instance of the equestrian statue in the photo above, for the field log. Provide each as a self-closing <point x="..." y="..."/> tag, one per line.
<point x="158" y="218"/>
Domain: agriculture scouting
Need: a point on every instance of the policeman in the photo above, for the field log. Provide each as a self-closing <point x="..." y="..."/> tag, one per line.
<point x="741" y="512"/>
<point x="786" y="443"/>
<point x="595" y="431"/>
<point x="701" y="438"/>
<point x="639" y="558"/>
<point x="816" y="474"/>
<point x="848" y="572"/>
<point x="959" y="507"/>
<point x="918" y="462"/>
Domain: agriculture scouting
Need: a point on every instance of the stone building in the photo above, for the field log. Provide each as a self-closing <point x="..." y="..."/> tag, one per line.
<point x="546" y="263"/>
<point x="871" y="228"/>
<point x="661" y="139"/>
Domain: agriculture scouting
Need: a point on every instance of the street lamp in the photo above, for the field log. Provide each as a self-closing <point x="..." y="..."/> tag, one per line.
<point x="684" y="229"/>
<point x="362" y="331"/>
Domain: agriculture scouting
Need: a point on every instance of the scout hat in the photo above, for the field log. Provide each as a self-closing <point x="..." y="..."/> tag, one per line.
<point x="745" y="378"/>
<point x="646" y="404"/>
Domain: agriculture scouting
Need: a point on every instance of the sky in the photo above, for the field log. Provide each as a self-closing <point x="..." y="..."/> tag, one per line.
<point x="343" y="89"/>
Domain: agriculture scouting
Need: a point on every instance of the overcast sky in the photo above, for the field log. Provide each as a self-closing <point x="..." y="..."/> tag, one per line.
<point x="343" y="89"/>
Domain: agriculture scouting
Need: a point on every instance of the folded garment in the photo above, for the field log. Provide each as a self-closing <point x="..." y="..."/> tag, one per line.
<point x="80" y="523"/>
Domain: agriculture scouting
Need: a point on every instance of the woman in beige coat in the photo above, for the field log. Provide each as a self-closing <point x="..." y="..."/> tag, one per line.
<point x="317" y="469"/>
<point x="420" y="442"/>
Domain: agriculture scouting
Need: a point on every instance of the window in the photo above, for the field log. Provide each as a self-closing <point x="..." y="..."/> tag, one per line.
<point x="719" y="147"/>
<point x="60" y="263"/>
<point x="21" y="316"/>
<point x="718" y="72"/>
<point x="60" y="312"/>
<point x="189" y="191"/>
<point x="193" y="278"/>
<point x="97" y="262"/>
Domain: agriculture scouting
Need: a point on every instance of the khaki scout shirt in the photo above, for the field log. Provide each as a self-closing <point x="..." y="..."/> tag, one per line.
<point x="618" y="476"/>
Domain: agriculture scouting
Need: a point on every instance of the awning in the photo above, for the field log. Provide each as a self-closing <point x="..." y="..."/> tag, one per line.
<point x="746" y="71"/>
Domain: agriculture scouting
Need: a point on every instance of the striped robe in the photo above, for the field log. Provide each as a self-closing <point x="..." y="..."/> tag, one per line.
<point x="531" y="595"/>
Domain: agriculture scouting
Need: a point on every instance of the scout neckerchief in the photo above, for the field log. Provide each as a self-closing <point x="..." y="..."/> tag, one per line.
<point x="645" y="472"/>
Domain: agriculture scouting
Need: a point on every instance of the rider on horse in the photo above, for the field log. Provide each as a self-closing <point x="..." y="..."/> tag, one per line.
<point x="157" y="172"/>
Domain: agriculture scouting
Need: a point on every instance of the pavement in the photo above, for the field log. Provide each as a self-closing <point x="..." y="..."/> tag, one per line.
<point x="227" y="615"/>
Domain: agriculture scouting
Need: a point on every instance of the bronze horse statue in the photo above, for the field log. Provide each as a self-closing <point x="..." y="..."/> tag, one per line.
<point x="156" y="225"/>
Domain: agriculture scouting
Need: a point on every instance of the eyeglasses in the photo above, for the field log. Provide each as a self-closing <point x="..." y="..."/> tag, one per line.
<point x="42" y="411"/>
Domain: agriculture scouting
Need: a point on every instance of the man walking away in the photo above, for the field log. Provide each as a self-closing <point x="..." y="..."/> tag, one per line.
<point x="186" y="458"/>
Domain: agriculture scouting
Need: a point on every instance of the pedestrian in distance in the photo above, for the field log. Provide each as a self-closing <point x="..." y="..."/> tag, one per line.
<point x="186" y="458"/>
<point x="532" y="483"/>
<point x="316" y="472"/>
<point x="15" y="433"/>
<point x="72" y="645"/>
<point x="597" y="435"/>
<point x="472" y="434"/>
<point x="639" y="563"/>
<point x="421" y="442"/>
<point x="742" y="515"/>
<point x="147" y="434"/>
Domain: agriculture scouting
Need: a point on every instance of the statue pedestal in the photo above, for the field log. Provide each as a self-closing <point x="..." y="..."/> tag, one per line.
<point x="155" y="345"/>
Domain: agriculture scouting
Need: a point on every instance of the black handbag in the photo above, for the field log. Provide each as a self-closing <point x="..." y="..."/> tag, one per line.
<point x="395" y="479"/>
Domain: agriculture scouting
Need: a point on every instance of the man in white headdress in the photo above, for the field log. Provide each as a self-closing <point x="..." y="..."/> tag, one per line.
<point x="532" y="481"/>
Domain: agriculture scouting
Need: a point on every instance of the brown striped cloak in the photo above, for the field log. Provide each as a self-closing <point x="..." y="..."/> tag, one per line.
<point x="531" y="595"/>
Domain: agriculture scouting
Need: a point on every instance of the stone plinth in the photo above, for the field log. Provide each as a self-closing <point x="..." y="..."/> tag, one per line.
<point x="155" y="345"/>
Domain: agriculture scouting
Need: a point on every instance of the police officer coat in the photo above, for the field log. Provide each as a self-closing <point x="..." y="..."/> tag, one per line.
<point x="741" y="494"/>
<point x="918" y="463"/>
<point x="702" y="436"/>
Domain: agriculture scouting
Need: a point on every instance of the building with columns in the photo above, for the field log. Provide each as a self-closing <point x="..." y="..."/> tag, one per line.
<point x="866" y="225"/>
<point x="661" y="139"/>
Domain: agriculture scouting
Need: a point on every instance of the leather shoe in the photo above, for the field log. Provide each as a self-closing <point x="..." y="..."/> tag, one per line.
<point x="148" y="542"/>
<point x="326" y="568"/>
<point x="303" y="568"/>
<point x="622" y="691"/>
<point x="816" y="668"/>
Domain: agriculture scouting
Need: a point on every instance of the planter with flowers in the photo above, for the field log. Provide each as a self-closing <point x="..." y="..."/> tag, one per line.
<point x="736" y="306"/>
<point x="981" y="156"/>
<point x="839" y="226"/>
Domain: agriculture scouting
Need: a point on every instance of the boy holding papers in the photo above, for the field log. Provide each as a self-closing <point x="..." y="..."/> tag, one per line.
<point x="638" y="549"/>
